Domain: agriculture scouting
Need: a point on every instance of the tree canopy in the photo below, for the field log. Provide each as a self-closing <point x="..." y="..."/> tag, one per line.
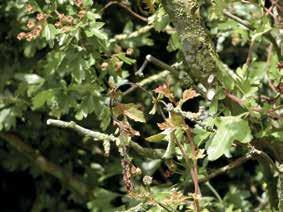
<point x="131" y="105"/>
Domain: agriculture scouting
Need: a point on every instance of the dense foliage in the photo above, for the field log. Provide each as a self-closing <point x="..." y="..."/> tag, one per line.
<point x="169" y="105"/>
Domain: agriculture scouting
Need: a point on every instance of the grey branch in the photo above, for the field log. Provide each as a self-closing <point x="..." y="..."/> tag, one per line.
<point x="142" y="151"/>
<point x="83" y="131"/>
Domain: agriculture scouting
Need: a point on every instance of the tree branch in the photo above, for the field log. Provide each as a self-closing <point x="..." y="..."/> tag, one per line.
<point x="144" y="19"/>
<point x="246" y="24"/>
<point x="45" y="165"/>
<point x="146" y="152"/>
<point x="234" y="164"/>
<point x="133" y="34"/>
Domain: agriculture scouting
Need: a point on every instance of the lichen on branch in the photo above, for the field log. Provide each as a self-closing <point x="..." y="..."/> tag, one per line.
<point x="198" y="51"/>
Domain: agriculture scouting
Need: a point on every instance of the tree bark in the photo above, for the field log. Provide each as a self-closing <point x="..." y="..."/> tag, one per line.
<point x="198" y="51"/>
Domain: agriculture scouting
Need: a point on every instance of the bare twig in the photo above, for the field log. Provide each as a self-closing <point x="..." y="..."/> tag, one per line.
<point x="129" y="10"/>
<point x="134" y="34"/>
<point x="246" y="24"/>
<point x="254" y="153"/>
<point x="237" y="19"/>
<point x="241" y="102"/>
<point x="155" y="61"/>
<point x="250" y="53"/>
<point x="148" y="80"/>
<point x="146" y="152"/>
<point x="83" y="131"/>
<point x="195" y="166"/>
<point x="234" y="164"/>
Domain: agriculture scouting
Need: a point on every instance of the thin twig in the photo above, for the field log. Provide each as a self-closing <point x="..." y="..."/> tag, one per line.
<point x="234" y="164"/>
<point x="192" y="171"/>
<point x="250" y="53"/>
<point x="147" y="80"/>
<point x="242" y="103"/>
<point x="138" y="32"/>
<point x="246" y="24"/>
<point x="213" y="190"/>
<point x="238" y="162"/>
<point x="267" y="66"/>
<point x="195" y="158"/>
<point x="129" y="10"/>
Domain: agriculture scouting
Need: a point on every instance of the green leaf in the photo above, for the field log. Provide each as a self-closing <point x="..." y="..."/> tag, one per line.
<point x="87" y="3"/>
<point x="7" y="119"/>
<point x="160" y="19"/>
<point x="105" y="117"/>
<point x="174" y="42"/>
<point x="200" y="135"/>
<point x="94" y="30"/>
<point x="49" y="32"/>
<point x="124" y="58"/>
<point x="29" y="78"/>
<point x="41" y="98"/>
<point x="135" y="114"/>
<point x="156" y="138"/>
<point x="229" y="129"/>
<point x="102" y="200"/>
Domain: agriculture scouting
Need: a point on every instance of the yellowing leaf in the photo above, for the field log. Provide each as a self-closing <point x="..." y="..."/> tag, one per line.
<point x="135" y="114"/>
<point x="130" y="110"/>
<point x="171" y="123"/>
<point x="156" y="138"/>
<point x="189" y="94"/>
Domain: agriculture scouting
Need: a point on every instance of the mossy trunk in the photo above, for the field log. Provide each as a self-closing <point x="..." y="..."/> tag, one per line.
<point x="198" y="50"/>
